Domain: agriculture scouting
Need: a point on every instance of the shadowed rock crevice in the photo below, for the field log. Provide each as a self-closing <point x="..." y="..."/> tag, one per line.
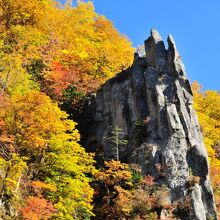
<point x="152" y="103"/>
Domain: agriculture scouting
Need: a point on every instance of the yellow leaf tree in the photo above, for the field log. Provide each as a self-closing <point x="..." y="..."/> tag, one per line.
<point x="207" y="106"/>
<point x="38" y="143"/>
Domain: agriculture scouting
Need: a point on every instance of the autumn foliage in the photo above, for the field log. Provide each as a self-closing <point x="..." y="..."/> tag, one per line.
<point x="207" y="105"/>
<point x="60" y="46"/>
<point x="50" y="55"/>
<point x="120" y="194"/>
<point x="37" y="208"/>
<point x="39" y="155"/>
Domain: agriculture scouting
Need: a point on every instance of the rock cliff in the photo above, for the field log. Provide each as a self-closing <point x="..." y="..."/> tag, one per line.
<point x="152" y="104"/>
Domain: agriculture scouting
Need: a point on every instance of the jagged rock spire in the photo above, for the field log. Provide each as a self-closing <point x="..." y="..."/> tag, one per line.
<point x="155" y="50"/>
<point x="156" y="92"/>
<point x="172" y="47"/>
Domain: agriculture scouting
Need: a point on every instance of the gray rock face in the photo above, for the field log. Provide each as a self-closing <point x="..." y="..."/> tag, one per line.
<point x="152" y="103"/>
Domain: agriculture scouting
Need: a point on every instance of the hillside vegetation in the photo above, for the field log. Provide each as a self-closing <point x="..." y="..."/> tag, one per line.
<point x="48" y="50"/>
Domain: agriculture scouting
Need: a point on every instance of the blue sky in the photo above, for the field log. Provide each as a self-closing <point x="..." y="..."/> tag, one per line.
<point x="194" y="24"/>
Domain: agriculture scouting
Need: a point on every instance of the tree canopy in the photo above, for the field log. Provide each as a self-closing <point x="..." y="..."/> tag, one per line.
<point x="61" y="46"/>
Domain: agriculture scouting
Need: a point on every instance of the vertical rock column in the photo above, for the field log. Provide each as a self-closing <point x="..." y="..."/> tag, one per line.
<point x="155" y="90"/>
<point x="176" y="126"/>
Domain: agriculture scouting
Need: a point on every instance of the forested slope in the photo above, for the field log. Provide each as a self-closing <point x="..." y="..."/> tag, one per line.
<point x="50" y="53"/>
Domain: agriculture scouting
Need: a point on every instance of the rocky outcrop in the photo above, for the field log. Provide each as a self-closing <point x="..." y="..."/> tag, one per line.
<point x="152" y="104"/>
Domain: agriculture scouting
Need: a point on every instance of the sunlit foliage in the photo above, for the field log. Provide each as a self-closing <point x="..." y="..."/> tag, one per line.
<point x="61" y="46"/>
<point x="64" y="52"/>
<point x="207" y="105"/>
<point x="41" y="161"/>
